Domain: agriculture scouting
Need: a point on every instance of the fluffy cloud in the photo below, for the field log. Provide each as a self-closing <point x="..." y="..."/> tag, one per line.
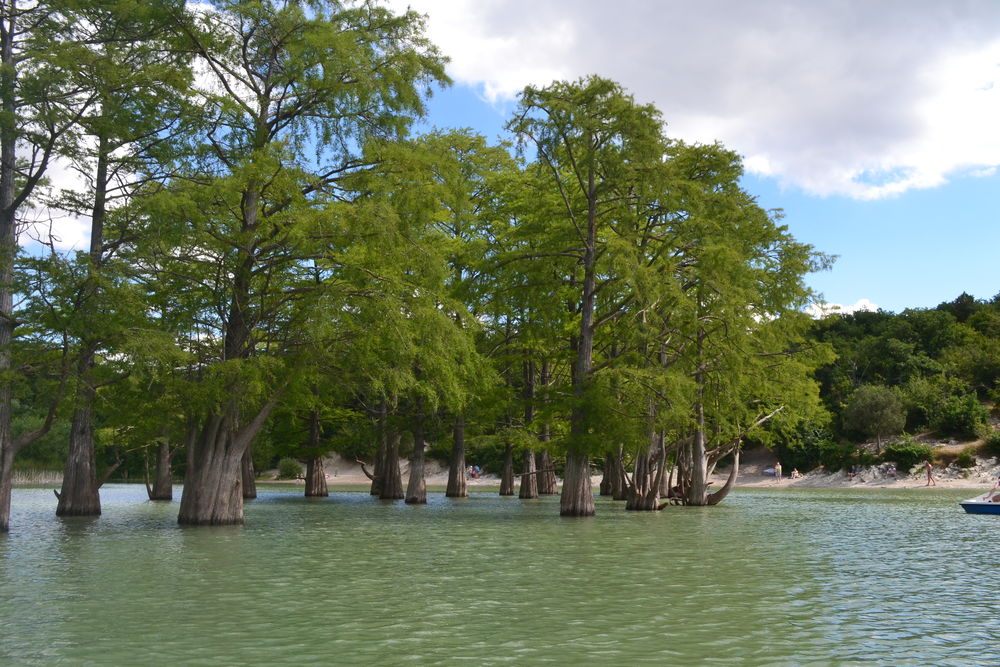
<point x="856" y="98"/>
<point x="821" y="310"/>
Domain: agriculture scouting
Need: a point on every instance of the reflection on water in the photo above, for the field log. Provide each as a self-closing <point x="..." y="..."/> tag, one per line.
<point x="769" y="577"/>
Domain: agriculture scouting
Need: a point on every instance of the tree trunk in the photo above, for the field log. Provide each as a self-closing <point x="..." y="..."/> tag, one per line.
<point x="607" y="479"/>
<point x="697" y="490"/>
<point x="416" y="487"/>
<point x="6" y="484"/>
<point x="315" y="475"/>
<point x="8" y="251"/>
<point x="718" y="496"/>
<point x="392" y="486"/>
<point x="316" y="478"/>
<point x="667" y="472"/>
<point x="577" y="494"/>
<point x="619" y="483"/>
<point x="547" y="483"/>
<point x="529" y="479"/>
<point x="457" y="487"/>
<point x="163" y="481"/>
<point x="507" y="475"/>
<point x="213" y="494"/>
<point x="79" y="495"/>
<point x="248" y="475"/>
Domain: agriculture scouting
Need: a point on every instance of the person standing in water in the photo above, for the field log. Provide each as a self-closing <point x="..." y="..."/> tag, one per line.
<point x="930" y="475"/>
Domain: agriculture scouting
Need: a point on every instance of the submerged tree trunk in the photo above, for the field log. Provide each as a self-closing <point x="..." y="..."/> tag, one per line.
<point x="163" y="477"/>
<point x="315" y="475"/>
<point x="213" y="494"/>
<point x="392" y="486"/>
<point x="507" y="475"/>
<point x="547" y="483"/>
<point x="79" y="495"/>
<point x="416" y="487"/>
<point x="6" y="486"/>
<point x="457" y="486"/>
<point x="619" y="483"/>
<point x="697" y="474"/>
<point x="316" y="478"/>
<point x="577" y="494"/>
<point x="249" y="475"/>
<point x="529" y="478"/>
<point x="718" y="496"/>
<point x="607" y="479"/>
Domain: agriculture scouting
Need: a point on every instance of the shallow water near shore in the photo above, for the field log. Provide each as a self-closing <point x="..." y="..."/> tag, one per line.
<point x="771" y="576"/>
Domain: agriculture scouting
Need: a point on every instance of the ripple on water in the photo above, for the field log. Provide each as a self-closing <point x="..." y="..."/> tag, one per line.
<point x="770" y="577"/>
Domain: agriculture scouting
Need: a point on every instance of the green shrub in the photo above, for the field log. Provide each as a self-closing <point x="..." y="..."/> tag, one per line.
<point x="966" y="458"/>
<point x="991" y="447"/>
<point x="907" y="452"/>
<point x="289" y="468"/>
<point x="962" y="416"/>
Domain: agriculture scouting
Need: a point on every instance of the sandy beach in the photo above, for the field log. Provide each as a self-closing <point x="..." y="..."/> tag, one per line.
<point x="982" y="476"/>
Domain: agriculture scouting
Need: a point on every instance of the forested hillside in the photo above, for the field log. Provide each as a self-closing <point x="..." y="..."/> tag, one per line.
<point x="932" y="370"/>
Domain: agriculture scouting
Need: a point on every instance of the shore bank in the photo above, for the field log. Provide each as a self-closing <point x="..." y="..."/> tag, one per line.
<point x="342" y="473"/>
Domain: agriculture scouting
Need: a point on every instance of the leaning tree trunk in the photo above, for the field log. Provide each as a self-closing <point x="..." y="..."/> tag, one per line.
<point x="163" y="478"/>
<point x="249" y="476"/>
<point x="392" y="486"/>
<point x="457" y="486"/>
<point x="547" y="483"/>
<point x="529" y="478"/>
<point x="79" y="495"/>
<point x="718" y="496"/>
<point x="316" y="478"/>
<point x="416" y="487"/>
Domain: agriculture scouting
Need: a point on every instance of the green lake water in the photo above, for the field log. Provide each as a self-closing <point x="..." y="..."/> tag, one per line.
<point x="771" y="576"/>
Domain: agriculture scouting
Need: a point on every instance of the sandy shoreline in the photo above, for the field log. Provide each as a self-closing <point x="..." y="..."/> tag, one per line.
<point x="981" y="477"/>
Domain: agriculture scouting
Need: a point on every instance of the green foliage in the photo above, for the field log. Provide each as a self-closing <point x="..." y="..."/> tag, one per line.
<point x="907" y="452"/>
<point x="962" y="417"/>
<point x="991" y="444"/>
<point x="873" y="410"/>
<point x="289" y="468"/>
<point x="966" y="458"/>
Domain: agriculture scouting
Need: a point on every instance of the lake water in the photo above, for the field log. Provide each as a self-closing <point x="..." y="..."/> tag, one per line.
<point x="771" y="576"/>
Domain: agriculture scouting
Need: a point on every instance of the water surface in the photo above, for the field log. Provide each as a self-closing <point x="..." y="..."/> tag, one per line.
<point x="771" y="576"/>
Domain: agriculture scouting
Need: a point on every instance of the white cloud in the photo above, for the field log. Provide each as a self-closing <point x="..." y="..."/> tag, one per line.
<point x="66" y="232"/>
<point x="821" y="310"/>
<point x="856" y="98"/>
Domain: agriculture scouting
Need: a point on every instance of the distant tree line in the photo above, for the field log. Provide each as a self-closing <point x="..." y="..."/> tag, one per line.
<point x="926" y="370"/>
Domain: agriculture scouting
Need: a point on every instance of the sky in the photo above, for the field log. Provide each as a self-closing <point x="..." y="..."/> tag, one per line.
<point x="875" y="126"/>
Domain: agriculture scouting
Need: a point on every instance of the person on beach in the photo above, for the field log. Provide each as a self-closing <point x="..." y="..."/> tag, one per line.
<point x="777" y="471"/>
<point x="930" y="475"/>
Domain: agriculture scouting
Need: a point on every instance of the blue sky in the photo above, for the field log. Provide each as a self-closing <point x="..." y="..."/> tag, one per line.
<point x="874" y="126"/>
